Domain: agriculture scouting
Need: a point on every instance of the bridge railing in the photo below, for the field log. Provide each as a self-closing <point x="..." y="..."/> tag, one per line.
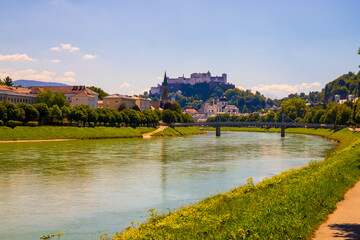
<point x="259" y="124"/>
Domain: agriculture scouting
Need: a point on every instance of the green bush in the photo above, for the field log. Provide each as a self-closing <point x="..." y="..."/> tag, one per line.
<point x="91" y="124"/>
<point x="1" y="123"/>
<point x="107" y="124"/>
<point x="32" y="124"/>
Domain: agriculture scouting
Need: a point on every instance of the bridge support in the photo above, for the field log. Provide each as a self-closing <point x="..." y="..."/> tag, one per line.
<point x="282" y="125"/>
<point x="282" y="131"/>
<point x="218" y="130"/>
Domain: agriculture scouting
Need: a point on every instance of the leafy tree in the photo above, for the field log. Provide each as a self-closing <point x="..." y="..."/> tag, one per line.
<point x="121" y="107"/>
<point x="99" y="91"/>
<point x="51" y="99"/>
<point x="3" y="112"/>
<point x="168" y="105"/>
<point x="134" y="117"/>
<point x="44" y="112"/>
<point x="136" y="108"/>
<point x="168" y="116"/>
<point x="66" y="112"/>
<point x="293" y="108"/>
<point x="13" y="112"/>
<point x="175" y="106"/>
<point x="29" y="112"/>
<point x="55" y="113"/>
<point x="125" y="118"/>
<point x="8" y="81"/>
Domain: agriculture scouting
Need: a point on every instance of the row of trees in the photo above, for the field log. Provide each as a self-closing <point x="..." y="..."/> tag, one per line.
<point x="296" y="110"/>
<point x="7" y="81"/>
<point x="53" y="109"/>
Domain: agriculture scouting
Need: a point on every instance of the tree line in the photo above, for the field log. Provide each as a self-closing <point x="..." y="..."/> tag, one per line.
<point x="297" y="110"/>
<point x="53" y="109"/>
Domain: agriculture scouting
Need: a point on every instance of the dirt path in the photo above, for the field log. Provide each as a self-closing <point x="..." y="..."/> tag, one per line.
<point x="148" y="135"/>
<point x="344" y="222"/>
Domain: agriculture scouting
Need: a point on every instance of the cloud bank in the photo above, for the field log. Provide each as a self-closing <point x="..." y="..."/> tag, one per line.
<point x="65" y="47"/>
<point x="17" y="58"/>
<point x="282" y="90"/>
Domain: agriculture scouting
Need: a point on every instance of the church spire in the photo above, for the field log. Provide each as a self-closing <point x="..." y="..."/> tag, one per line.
<point x="165" y="83"/>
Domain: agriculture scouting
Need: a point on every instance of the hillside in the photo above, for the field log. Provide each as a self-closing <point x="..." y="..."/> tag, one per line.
<point x="344" y="85"/>
<point x="34" y="83"/>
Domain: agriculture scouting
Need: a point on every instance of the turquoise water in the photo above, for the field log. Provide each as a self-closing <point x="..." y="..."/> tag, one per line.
<point x="91" y="187"/>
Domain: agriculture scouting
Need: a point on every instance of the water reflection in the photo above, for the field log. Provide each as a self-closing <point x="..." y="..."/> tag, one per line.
<point x="87" y="188"/>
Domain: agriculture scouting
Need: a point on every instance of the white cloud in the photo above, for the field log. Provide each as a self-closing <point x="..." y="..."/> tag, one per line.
<point x="282" y="90"/>
<point x="160" y="78"/>
<point x="69" y="74"/>
<point x="65" y="46"/>
<point x="54" y="60"/>
<point x="28" y="74"/>
<point x="90" y="57"/>
<point x="125" y="85"/>
<point x="65" y="79"/>
<point x="17" y="58"/>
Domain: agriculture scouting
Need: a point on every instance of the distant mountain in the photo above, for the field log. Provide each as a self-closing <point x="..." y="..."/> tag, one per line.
<point x="34" y="83"/>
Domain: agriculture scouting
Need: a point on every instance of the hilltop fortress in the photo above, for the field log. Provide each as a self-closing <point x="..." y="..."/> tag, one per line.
<point x="176" y="84"/>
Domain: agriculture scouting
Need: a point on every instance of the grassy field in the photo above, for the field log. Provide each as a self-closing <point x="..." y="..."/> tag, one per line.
<point x="178" y="131"/>
<point x="290" y="205"/>
<point x="52" y="132"/>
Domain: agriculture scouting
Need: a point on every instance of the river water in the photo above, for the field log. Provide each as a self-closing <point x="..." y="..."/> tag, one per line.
<point x="91" y="187"/>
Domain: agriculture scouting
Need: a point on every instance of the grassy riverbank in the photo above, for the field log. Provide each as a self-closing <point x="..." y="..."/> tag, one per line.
<point x="54" y="132"/>
<point x="179" y="131"/>
<point x="290" y="205"/>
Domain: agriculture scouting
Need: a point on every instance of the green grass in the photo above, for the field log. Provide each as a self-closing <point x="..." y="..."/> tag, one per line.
<point x="52" y="132"/>
<point x="290" y="205"/>
<point x="143" y="130"/>
<point x="178" y="131"/>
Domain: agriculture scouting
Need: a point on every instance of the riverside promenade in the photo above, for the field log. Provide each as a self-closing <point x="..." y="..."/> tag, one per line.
<point x="344" y="222"/>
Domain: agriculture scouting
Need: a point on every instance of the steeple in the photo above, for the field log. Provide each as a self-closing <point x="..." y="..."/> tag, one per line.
<point x="165" y="83"/>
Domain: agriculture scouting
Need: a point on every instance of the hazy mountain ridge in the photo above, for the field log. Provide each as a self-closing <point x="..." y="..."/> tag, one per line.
<point x="34" y="83"/>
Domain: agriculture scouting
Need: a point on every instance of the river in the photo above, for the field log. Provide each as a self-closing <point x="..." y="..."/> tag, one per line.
<point x="91" y="187"/>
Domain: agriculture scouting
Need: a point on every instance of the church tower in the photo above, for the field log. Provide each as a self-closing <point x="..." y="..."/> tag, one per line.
<point x="164" y="97"/>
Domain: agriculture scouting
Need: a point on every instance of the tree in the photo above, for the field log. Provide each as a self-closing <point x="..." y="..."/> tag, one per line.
<point x="12" y="111"/>
<point x="44" y="112"/>
<point x="66" y="112"/>
<point x="294" y="108"/>
<point x="136" y="108"/>
<point x="176" y="107"/>
<point x="31" y="114"/>
<point x="168" y="116"/>
<point x="8" y="81"/>
<point x="3" y="112"/>
<point x="55" y="113"/>
<point x="51" y="99"/>
<point x="99" y="91"/>
<point x="168" y="105"/>
<point x="121" y="107"/>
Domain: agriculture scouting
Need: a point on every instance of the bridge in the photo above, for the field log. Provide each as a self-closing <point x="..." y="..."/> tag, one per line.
<point x="282" y="125"/>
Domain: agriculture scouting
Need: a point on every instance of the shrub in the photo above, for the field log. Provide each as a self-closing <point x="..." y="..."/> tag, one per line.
<point x="1" y="123"/>
<point x="107" y="124"/>
<point x="19" y="123"/>
<point x="32" y="123"/>
<point x="11" y="123"/>
<point x="91" y="124"/>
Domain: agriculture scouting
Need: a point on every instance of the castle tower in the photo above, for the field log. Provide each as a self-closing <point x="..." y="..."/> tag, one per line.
<point x="164" y="96"/>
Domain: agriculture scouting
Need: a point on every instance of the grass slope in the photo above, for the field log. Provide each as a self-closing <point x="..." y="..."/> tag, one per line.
<point x="52" y="132"/>
<point x="290" y="205"/>
<point x="178" y="131"/>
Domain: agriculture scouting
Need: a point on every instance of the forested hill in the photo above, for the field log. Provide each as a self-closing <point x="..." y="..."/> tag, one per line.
<point x="344" y="85"/>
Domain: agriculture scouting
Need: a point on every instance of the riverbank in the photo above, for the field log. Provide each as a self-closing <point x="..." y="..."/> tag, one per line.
<point x="290" y="205"/>
<point x="54" y="133"/>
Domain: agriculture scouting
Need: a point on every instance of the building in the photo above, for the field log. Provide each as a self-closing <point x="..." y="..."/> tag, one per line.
<point x="164" y="96"/>
<point x="176" y="84"/>
<point x="143" y="103"/>
<point x="218" y="106"/>
<point x="115" y="100"/>
<point x="17" y="95"/>
<point x="196" y="78"/>
<point x="75" y="95"/>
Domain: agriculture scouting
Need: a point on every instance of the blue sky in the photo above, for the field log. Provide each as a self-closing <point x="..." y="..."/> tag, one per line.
<point x="276" y="47"/>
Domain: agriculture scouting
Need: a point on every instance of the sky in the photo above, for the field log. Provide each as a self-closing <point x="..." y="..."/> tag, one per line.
<point x="276" y="47"/>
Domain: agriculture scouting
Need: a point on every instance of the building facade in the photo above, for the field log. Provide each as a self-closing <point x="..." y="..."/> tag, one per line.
<point x="115" y="100"/>
<point x="17" y="95"/>
<point x="75" y="95"/>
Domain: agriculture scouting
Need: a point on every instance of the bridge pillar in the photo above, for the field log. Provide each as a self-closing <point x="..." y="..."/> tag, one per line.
<point x="218" y="130"/>
<point x="282" y="131"/>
